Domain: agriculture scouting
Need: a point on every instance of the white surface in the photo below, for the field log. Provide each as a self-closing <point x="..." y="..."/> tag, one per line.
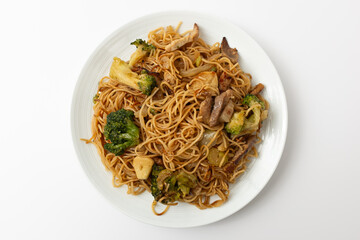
<point x="253" y="60"/>
<point x="314" y="193"/>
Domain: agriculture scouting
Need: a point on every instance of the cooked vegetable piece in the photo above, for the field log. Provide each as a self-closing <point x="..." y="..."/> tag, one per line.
<point x="170" y="186"/>
<point x="121" y="131"/>
<point x="185" y="182"/>
<point x="142" y="166"/>
<point x="223" y="145"/>
<point x="216" y="157"/>
<point x="205" y="79"/>
<point x="143" y="49"/>
<point x="163" y="175"/>
<point x="236" y="123"/>
<point x="251" y="100"/>
<point x="122" y="72"/>
<point x="198" y="61"/>
<point x="194" y="71"/>
<point x="208" y="136"/>
<point x="239" y="124"/>
<point x="155" y="191"/>
<point x="252" y="122"/>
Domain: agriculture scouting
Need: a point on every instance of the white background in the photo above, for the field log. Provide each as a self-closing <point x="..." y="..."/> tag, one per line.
<point x="314" y="193"/>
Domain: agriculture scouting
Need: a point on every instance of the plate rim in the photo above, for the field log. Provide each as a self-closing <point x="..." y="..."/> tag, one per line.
<point x="158" y="14"/>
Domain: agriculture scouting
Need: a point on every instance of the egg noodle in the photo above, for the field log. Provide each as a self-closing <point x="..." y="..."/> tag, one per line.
<point x="169" y="121"/>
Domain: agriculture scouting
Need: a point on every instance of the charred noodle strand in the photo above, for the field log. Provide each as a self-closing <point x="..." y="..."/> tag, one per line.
<point x="172" y="133"/>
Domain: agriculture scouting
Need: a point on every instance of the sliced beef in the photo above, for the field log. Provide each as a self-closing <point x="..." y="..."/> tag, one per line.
<point x="205" y="109"/>
<point x="257" y="89"/>
<point x="227" y="112"/>
<point x="220" y="102"/>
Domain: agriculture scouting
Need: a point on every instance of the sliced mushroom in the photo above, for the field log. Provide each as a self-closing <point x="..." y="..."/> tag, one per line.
<point x="257" y="89"/>
<point x="231" y="53"/>
<point x="224" y="82"/>
<point x="205" y="109"/>
<point x="178" y="43"/>
<point x="231" y="165"/>
<point x="219" y="105"/>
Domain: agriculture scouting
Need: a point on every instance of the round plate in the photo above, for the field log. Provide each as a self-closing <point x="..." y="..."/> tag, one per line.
<point x="252" y="60"/>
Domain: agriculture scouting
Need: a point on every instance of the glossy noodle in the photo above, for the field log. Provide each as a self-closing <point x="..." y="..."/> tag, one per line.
<point x="193" y="159"/>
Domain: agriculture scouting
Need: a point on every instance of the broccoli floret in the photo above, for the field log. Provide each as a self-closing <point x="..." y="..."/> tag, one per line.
<point x="252" y="122"/>
<point x="155" y="191"/>
<point x="121" y="72"/>
<point x="146" y="82"/>
<point x="250" y="100"/>
<point x="239" y="124"/>
<point x="178" y="184"/>
<point x="143" y="44"/>
<point x="121" y="131"/>
<point x="236" y="123"/>
<point x="142" y="50"/>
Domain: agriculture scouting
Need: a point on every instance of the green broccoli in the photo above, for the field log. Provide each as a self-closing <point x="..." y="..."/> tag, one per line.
<point x="250" y="100"/>
<point x="121" y="131"/>
<point x="236" y="123"/>
<point x="155" y="191"/>
<point x="178" y="184"/>
<point x="239" y="124"/>
<point x="252" y="122"/>
<point x="142" y="50"/>
<point x="185" y="182"/>
<point x="121" y="72"/>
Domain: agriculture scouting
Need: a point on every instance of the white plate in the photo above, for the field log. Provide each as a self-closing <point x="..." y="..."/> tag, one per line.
<point x="252" y="59"/>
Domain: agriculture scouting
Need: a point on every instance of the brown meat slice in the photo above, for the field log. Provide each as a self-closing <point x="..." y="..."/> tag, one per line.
<point x="227" y="112"/>
<point x="231" y="165"/>
<point x="205" y="109"/>
<point x="178" y="43"/>
<point x="220" y="103"/>
<point x="224" y="82"/>
<point x="231" y="53"/>
<point x="257" y="89"/>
